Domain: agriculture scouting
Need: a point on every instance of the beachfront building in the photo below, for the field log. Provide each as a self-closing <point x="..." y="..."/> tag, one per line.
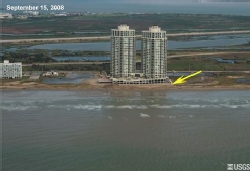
<point x="154" y="58"/>
<point x="123" y="52"/>
<point x="10" y="70"/>
<point x="123" y="57"/>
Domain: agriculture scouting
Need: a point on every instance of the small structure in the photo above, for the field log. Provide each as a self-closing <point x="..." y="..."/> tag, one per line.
<point x="31" y="13"/>
<point x="10" y="70"/>
<point x="5" y="15"/>
<point x="50" y="73"/>
<point x="61" y="15"/>
<point x="22" y="16"/>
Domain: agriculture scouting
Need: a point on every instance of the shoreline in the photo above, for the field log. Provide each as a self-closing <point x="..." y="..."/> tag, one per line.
<point x="108" y="88"/>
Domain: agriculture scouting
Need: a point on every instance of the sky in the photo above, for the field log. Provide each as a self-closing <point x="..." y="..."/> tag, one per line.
<point x="93" y="4"/>
<point x="67" y="2"/>
<point x="105" y="1"/>
<point x="92" y="1"/>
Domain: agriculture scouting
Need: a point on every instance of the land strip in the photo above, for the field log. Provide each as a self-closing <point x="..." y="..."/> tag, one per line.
<point x="66" y="63"/>
<point x="206" y="54"/>
<point x="172" y="56"/>
<point x="108" y="37"/>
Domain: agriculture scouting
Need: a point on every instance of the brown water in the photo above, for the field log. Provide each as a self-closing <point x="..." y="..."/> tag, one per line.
<point x="116" y="131"/>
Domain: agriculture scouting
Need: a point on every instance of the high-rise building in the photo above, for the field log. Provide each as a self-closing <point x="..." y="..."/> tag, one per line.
<point x="123" y="52"/>
<point x="10" y="70"/>
<point x="154" y="57"/>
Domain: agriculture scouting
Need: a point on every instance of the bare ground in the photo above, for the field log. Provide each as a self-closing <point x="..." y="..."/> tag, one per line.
<point x="92" y="84"/>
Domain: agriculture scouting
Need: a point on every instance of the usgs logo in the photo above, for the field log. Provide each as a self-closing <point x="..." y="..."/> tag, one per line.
<point x="238" y="166"/>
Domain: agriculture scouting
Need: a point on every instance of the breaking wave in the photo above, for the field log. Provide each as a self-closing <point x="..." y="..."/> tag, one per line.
<point x="187" y="106"/>
<point x="18" y="108"/>
<point x="142" y="115"/>
<point x="130" y="107"/>
<point x="88" y="107"/>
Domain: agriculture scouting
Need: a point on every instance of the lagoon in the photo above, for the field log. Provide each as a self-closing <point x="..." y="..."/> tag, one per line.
<point x="206" y="42"/>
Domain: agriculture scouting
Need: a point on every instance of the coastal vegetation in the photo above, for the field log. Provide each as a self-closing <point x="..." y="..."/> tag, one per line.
<point x="69" y="67"/>
<point x="100" y="24"/>
<point x="206" y="63"/>
<point x="191" y="63"/>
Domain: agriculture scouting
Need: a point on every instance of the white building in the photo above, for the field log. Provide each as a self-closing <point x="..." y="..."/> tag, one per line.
<point x="154" y="48"/>
<point x="5" y="15"/>
<point x="33" y="13"/>
<point x="50" y="73"/>
<point x="123" y="52"/>
<point x="10" y="70"/>
<point x="61" y="15"/>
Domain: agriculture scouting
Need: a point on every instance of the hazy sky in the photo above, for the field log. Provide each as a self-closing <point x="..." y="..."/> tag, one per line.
<point x="104" y="1"/>
<point x="27" y="1"/>
<point x="90" y="1"/>
<point x="78" y="3"/>
<point x="153" y="6"/>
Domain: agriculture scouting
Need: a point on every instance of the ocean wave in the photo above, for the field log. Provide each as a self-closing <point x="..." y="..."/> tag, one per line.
<point x="173" y="117"/>
<point x="79" y="106"/>
<point x="31" y="106"/>
<point x="19" y="108"/>
<point x="143" y="115"/>
<point x="210" y="101"/>
<point x="196" y="106"/>
<point x="132" y="107"/>
<point x="126" y="107"/>
<point x="87" y="107"/>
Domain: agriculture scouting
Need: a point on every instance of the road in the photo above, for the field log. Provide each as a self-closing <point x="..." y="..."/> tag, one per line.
<point x="108" y="37"/>
<point x="209" y="33"/>
<point x="66" y="63"/>
<point x="206" y="53"/>
<point x="54" y="39"/>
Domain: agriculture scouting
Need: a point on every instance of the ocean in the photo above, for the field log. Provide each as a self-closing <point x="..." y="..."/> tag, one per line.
<point x="180" y="130"/>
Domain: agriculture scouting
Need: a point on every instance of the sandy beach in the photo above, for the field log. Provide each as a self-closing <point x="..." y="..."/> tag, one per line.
<point x="91" y="84"/>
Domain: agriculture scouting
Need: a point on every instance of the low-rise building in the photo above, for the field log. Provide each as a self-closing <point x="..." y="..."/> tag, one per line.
<point x="61" y="15"/>
<point x="10" y="70"/>
<point x="32" y="13"/>
<point x="50" y="73"/>
<point x="22" y="16"/>
<point x="5" y="15"/>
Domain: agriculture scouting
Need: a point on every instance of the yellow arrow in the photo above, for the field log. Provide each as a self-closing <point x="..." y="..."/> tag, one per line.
<point x="182" y="80"/>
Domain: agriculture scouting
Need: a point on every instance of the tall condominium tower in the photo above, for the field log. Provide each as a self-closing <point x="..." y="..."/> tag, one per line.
<point x="154" y="58"/>
<point x="123" y="52"/>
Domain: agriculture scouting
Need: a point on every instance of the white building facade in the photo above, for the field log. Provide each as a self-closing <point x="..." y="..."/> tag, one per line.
<point x="5" y="15"/>
<point x="123" y="51"/>
<point x="10" y="70"/>
<point x="154" y="49"/>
